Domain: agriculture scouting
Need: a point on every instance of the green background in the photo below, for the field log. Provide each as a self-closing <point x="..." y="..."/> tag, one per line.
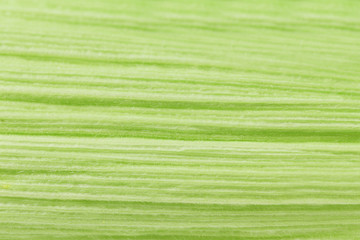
<point x="179" y="119"/>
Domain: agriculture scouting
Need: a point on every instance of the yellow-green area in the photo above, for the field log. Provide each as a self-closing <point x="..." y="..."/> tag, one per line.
<point x="177" y="120"/>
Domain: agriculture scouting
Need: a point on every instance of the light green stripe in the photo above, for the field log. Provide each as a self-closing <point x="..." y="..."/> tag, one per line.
<point x="209" y="120"/>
